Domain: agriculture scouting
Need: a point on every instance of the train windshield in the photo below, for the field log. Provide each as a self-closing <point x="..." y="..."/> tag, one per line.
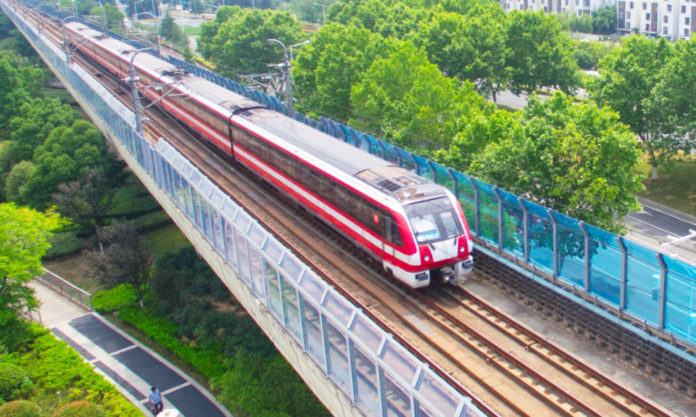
<point x="434" y="220"/>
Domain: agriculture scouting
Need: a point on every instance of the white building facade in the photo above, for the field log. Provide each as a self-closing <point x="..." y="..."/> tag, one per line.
<point x="672" y="19"/>
<point x="575" y="7"/>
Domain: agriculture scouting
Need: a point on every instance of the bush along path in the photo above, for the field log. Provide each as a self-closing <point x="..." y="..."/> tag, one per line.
<point x="131" y="366"/>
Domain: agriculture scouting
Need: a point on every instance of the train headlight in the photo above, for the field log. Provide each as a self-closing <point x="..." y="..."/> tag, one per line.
<point x="426" y="258"/>
<point x="462" y="249"/>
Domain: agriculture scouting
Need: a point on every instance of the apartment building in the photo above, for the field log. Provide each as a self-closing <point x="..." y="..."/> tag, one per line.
<point x="576" y="7"/>
<point x="673" y="19"/>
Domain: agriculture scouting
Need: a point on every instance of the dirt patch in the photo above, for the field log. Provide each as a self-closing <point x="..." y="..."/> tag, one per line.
<point x="72" y="268"/>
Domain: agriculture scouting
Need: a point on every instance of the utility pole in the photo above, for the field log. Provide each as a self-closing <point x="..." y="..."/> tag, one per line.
<point x="286" y="70"/>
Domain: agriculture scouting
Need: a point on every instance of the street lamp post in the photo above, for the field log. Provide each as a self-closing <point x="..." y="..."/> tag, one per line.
<point x="103" y="13"/>
<point x="74" y="8"/>
<point x="323" y="12"/>
<point x="133" y="80"/>
<point x="65" y="39"/>
<point x="296" y="46"/>
<point x="156" y="27"/>
<point x="286" y="69"/>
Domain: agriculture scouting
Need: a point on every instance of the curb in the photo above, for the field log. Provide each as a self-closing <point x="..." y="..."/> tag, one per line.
<point x="687" y="218"/>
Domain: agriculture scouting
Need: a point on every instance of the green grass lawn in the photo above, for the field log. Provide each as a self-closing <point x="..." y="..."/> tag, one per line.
<point x="675" y="187"/>
<point x="165" y="240"/>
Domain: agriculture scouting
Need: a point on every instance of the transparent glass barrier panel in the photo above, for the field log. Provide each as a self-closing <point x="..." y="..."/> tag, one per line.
<point x="188" y="199"/>
<point x="465" y="192"/>
<point x="365" y="377"/>
<point x="290" y="307"/>
<point x="541" y="242"/>
<point x="605" y="261"/>
<point x="513" y="229"/>
<point x="313" y="286"/>
<point x="396" y="401"/>
<point x="442" y="176"/>
<point x="311" y="326"/>
<point x="399" y="361"/>
<point x="258" y="275"/>
<point x="242" y="256"/>
<point x="367" y="332"/>
<point x="291" y="266"/>
<point x="438" y="395"/>
<point x="642" y="284"/>
<point x="218" y="232"/>
<point x="489" y="212"/>
<point x="274" y="302"/>
<point x="230" y="245"/>
<point x="339" y="308"/>
<point x="571" y="245"/>
<point x="337" y="360"/>
<point x="423" y="168"/>
<point x="257" y="235"/>
<point x="273" y="250"/>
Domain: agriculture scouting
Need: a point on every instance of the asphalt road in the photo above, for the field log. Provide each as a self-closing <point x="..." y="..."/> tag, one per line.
<point x="655" y="225"/>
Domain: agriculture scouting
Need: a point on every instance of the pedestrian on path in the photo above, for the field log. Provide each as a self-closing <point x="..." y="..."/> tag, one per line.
<point x="155" y="401"/>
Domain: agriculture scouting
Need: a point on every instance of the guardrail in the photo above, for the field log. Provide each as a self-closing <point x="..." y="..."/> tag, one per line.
<point x="67" y="289"/>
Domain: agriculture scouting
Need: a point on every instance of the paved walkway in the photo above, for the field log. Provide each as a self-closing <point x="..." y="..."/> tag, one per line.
<point x="130" y="366"/>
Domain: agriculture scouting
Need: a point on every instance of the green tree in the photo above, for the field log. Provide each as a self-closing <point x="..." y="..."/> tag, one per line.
<point x="240" y="45"/>
<point x="171" y="31"/>
<point x="471" y="47"/>
<point x="30" y="128"/>
<point x="673" y="96"/>
<point x="587" y="54"/>
<point x="67" y="154"/>
<point x="86" y="201"/>
<point x="20" y="408"/>
<point x="24" y="237"/>
<point x="405" y="99"/>
<point x="255" y="382"/>
<point x="627" y="78"/>
<point x="575" y="158"/>
<point x="114" y="17"/>
<point x="327" y="68"/>
<point x="17" y="179"/>
<point x="604" y="20"/>
<point x="13" y="382"/>
<point x="125" y="260"/>
<point x="540" y="53"/>
<point x="12" y="94"/>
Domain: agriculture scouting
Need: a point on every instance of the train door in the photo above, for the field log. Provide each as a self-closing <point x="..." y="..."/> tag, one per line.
<point x="390" y="230"/>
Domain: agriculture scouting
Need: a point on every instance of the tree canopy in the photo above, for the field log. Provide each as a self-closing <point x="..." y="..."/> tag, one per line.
<point x="240" y="45"/>
<point x="331" y="64"/>
<point x="574" y="158"/>
<point x="540" y="53"/>
<point x="24" y="237"/>
<point x="628" y="77"/>
<point x="405" y="99"/>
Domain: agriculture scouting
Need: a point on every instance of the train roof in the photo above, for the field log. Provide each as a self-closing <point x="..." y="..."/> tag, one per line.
<point x="404" y="186"/>
<point x="395" y="181"/>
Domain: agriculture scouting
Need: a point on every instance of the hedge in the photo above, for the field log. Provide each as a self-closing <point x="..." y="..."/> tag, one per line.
<point x="20" y="408"/>
<point x="59" y="374"/>
<point x="13" y="382"/>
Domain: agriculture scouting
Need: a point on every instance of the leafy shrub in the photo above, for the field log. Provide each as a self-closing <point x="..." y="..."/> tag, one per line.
<point x="20" y="408"/>
<point x="13" y="382"/>
<point x="206" y="361"/>
<point x="64" y="243"/>
<point x="80" y="409"/>
<point x="121" y="296"/>
<point x="133" y="200"/>
<point x="151" y="221"/>
<point x="54" y="366"/>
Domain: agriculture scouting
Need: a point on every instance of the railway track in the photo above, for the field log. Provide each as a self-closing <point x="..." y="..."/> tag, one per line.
<point x="468" y="342"/>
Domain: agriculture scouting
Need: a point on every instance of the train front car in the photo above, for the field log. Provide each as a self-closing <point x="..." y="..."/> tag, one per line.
<point x="434" y="224"/>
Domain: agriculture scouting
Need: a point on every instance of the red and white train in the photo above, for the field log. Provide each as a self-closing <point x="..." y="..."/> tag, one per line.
<point x="415" y="227"/>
